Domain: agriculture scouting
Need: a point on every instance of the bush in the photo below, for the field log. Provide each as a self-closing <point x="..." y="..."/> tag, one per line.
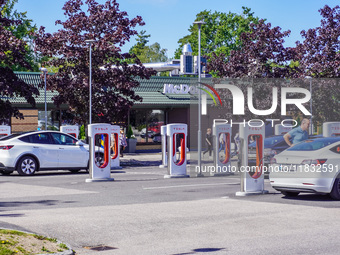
<point x="129" y="133"/>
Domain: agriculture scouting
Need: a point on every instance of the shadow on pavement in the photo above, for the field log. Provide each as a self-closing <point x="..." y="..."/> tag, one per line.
<point x="201" y="250"/>
<point x="24" y="203"/>
<point x="311" y="197"/>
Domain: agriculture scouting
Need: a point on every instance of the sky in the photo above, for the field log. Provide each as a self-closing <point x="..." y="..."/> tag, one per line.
<point x="169" y="20"/>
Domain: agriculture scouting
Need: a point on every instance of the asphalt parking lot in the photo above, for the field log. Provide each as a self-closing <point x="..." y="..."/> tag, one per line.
<point x="143" y="213"/>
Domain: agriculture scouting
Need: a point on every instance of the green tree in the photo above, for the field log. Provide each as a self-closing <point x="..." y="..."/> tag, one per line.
<point x="23" y="29"/>
<point x="142" y="40"/>
<point x="13" y="52"/>
<point x="148" y="54"/>
<point x="220" y="34"/>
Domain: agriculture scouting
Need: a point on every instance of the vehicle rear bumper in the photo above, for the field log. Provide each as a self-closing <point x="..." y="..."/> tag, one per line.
<point x="6" y="168"/>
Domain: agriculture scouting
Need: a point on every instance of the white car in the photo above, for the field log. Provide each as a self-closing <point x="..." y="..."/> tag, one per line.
<point x="30" y="152"/>
<point x="310" y="166"/>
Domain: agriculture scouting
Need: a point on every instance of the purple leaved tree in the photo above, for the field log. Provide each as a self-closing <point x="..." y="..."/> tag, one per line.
<point x="13" y="53"/>
<point x="319" y="58"/>
<point x="260" y="58"/>
<point x="113" y="80"/>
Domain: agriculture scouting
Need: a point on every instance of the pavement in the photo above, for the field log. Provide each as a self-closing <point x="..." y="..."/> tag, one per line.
<point x="143" y="213"/>
<point x="141" y="159"/>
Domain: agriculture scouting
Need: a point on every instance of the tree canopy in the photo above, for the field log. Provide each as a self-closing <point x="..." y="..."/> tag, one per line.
<point x="220" y="34"/>
<point x="319" y="57"/>
<point x="319" y="53"/>
<point x="262" y="54"/>
<point x="22" y="29"/>
<point x="113" y="80"/>
<point x="13" y="54"/>
<point x="148" y="54"/>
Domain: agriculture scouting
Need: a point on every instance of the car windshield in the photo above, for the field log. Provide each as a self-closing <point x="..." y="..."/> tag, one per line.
<point x="313" y="145"/>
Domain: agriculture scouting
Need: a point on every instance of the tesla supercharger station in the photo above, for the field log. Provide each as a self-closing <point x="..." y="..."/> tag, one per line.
<point x="177" y="152"/>
<point x="281" y="130"/>
<point x="5" y="130"/>
<point x="164" y="147"/>
<point x="100" y="160"/>
<point x="251" y="168"/>
<point x="115" y="164"/>
<point x="222" y="147"/>
<point x="71" y="130"/>
<point x="331" y="129"/>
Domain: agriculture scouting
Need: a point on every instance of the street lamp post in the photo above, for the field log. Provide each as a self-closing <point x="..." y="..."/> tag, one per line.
<point x="44" y="70"/>
<point x="89" y="42"/>
<point x="310" y="104"/>
<point x="199" y="133"/>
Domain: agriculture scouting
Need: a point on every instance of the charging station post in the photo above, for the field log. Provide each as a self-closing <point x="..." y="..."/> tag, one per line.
<point x="331" y="129"/>
<point x="164" y="147"/>
<point x="222" y="147"/>
<point x="114" y="144"/>
<point x="5" y="130"/>
<point x="71" y="130"/>
<point x="100" y="160"/>
<point x="251" y="168"/>
<point x="177" y="140"/>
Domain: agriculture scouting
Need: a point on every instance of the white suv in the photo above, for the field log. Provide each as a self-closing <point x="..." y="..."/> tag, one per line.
<point x="43" y="150"/>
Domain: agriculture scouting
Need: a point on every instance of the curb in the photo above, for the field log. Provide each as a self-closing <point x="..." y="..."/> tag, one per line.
<point x="66" y="252"/>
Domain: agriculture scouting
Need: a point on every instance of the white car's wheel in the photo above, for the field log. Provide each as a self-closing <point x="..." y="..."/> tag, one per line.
<point x="335" y="193"/>
<point x="99" y="159"/>
<point x="27" y="166"/>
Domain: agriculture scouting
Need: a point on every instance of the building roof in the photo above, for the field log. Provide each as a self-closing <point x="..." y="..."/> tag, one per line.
<point x="150" y="90"/>
<point x="34" y="78"/>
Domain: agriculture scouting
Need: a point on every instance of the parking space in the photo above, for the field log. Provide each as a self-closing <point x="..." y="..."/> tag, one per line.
<point x="143" y="213"/>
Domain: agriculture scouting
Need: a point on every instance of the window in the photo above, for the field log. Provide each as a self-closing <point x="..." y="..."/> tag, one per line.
<point x="146" y="125"/>
<point x="25" y="139"/>
<point x="336" y="149"/>
<point x="312" y="145"/>
<point x="63" y="139"/>
<point x="10" y="137"/>
<point x="42" y="138"/>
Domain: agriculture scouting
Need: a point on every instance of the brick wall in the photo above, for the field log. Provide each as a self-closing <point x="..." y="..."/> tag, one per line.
<point x="29" y="123"/>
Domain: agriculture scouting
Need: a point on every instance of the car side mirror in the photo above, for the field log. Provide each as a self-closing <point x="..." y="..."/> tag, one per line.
<point x="80" y="143"/>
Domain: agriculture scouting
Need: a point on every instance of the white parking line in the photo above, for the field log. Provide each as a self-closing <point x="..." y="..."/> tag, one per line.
<point x="191" y="185"/>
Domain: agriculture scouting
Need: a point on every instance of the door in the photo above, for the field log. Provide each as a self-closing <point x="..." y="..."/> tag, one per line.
<point x="71" y="155"/>
<point x="43" y="147"/>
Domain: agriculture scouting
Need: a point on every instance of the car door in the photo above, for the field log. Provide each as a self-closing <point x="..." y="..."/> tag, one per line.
<point x="71" y="155"/>
<point x="43" y="147"/>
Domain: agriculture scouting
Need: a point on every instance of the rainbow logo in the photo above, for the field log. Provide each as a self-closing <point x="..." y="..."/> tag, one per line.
<point x="210" y="94"/>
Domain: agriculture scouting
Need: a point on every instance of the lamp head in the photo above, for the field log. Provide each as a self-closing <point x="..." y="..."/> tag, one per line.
<point x="199" y="23"/>
<point x="90" y="41"/>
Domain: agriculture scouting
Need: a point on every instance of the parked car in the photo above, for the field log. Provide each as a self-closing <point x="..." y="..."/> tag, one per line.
<point x="273" y="145"/>
<point x="310" y="166"/>
<point x="157" y="138"/>
<point x="143" y="133"/>
<point x="30" y="152"/>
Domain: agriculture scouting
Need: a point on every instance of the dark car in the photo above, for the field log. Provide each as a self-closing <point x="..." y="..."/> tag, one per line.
<point x="273" y="145"/>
